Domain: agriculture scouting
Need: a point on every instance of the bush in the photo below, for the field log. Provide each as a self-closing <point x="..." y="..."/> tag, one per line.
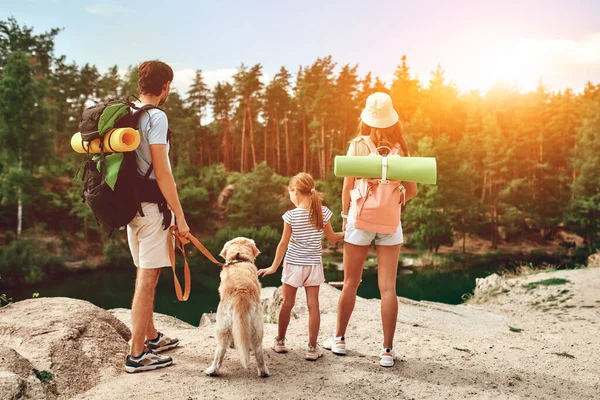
<point x="22" y="262"/>
<point x="259" y="199"/>
<point x="116" y="251"/>
<point x="266" y="239"/>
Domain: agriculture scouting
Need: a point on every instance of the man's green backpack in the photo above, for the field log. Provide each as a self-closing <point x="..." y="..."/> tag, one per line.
<point x="112" y="187"/>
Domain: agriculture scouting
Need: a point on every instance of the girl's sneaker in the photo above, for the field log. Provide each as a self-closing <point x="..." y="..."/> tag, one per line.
<point x="278" y="345"/>
<point x="386" y="357"/>
<point x="314" y="353"/>
<point x="337" y="345"/>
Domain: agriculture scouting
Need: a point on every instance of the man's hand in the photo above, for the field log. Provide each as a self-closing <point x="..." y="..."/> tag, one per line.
<point x="183" y="229"/>
<point x="266" y="271"/>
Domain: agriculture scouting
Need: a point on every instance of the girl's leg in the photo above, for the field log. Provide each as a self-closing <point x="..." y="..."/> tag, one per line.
<point x="289" y="298"/>
<point x="314" y="315"/>
<point x="354" y="259"/>
<point x="387" y="257"/>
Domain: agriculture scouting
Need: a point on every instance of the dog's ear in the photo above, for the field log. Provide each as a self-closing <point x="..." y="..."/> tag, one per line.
<point x="255" y="249"/>
<point x="223" y="252"/>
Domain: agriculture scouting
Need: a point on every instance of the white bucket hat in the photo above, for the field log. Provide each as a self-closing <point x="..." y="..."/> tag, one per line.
<point x="379" y="111"/>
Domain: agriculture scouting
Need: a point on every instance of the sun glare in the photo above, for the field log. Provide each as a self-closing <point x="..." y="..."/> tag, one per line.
<point x="516" y="65"/>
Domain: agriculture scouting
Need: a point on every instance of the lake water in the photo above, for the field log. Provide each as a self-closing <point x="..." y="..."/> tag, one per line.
<point x="113" y="288"/>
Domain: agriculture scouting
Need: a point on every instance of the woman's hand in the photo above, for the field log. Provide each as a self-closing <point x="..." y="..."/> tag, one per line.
<point x="266" y="271"/>
<point x="344" y="222"/>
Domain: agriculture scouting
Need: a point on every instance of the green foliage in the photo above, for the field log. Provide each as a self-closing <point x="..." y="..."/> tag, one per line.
<point x="546" y="282"/>
<point x="116" y="251"/>
<point x="265" y="237"/>
<point x="24" y="262"/>
<point x="43" y="376"/>
<point x="5" y="300"/>
<point x="259" y="198"/>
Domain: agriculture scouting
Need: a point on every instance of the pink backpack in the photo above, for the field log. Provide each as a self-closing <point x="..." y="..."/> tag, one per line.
<point x="376" y="202"/>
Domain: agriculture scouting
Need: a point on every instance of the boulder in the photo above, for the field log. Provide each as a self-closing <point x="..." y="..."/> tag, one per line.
<point x="72" y="344"/>
<point x="489" y="283"/>
<point x="18" y="379"/>
<point x="593" y="260"/>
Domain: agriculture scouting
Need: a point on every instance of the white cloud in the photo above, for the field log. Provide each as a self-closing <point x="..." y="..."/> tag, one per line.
<point x="105" y="9"/>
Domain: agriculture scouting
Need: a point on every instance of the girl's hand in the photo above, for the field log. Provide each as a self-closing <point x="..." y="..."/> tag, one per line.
<point x="266" y="271"/>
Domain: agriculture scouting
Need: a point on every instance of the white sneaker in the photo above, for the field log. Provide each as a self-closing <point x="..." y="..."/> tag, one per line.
<point x="386" y="357"/>
<point x="337" y="345"/>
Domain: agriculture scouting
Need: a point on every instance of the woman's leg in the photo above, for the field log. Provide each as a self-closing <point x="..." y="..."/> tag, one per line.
<point x="289" y="298"/>
<point x="314" y="315"/>
<point x="354" y="259"/>
<point x="387" y="257"/>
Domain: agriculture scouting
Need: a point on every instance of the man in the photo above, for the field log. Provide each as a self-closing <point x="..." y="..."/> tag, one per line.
<point x="147" y="234"/>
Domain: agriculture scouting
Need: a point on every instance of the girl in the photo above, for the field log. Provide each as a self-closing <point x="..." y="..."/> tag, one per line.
<point x="303" y="229"/>
<point x="379" y="126"/>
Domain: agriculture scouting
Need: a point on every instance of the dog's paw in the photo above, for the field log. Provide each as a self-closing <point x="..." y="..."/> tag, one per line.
<point x="211" y="371"/>
<point x="264" y="374"/>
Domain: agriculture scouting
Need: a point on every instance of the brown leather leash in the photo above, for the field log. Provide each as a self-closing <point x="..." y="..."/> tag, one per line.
<point x="180" y="242"/>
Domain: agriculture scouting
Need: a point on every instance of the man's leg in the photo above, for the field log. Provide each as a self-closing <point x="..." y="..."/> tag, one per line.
<point x="142" y="308"/>
<point x="151" y="332"/>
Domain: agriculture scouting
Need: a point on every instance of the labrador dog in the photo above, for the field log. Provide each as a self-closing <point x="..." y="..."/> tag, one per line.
<point x="239" y="314"/>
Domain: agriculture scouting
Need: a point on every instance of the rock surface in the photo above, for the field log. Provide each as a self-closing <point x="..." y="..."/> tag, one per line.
<point x="72" y="343"/>
<point x="529" y="340"/>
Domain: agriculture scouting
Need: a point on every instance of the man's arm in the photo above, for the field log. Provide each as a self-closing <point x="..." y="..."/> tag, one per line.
<point x="166" y="183"/>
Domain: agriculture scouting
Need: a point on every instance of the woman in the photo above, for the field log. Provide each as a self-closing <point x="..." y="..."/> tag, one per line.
<point x="379" y="126"/>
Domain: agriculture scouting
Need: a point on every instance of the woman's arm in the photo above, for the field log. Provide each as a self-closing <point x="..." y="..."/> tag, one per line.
<point x="281" y="249"/>
<point x="411" y="190"/>
<point x="346" y="188"/>
<point x="331" y="235"/>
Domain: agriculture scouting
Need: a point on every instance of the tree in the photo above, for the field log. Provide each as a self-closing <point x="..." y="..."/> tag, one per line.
<point x="222" y="100"/>
<point x="346" y="91"/>
<point x="23" y="132"/>
<point x="405" y="92"/>
<point x="247" y="85"/>
<point x="198" y="99"/>
<point x="277" y="107"/>
<point x="109" y="84"/>
<point x="584" y="208"/>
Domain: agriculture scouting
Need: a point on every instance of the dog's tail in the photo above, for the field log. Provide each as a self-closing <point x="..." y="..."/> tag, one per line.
<point x="241" y="326"/>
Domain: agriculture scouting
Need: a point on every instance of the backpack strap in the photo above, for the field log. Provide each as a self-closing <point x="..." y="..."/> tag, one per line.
<point x="370" y="143"/>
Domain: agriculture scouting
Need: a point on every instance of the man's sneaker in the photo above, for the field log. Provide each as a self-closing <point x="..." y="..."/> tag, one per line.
<point x="337" y="345"/>
<point x="162" y="343"/>
<point x="148" y="361"/>
<point x="386" y="357"/>
<point x="314" y="353"/>
<point x="278" y="345"/>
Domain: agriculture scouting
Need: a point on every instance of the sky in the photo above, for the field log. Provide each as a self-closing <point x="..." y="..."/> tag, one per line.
<point x="476" y="42"/>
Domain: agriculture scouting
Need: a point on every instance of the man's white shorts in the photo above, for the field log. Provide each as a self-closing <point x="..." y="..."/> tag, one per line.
<point x="148" y="240"/>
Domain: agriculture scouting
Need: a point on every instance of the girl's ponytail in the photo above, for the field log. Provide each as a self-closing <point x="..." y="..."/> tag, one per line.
<point x="315" y="215"/>
<point x="305" y="185"/>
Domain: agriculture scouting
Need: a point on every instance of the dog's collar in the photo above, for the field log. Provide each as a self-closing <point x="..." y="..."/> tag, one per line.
<point x="236" y="260"/>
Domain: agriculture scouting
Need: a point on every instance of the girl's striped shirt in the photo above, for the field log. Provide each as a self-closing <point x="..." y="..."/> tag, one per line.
<point x="305" y="245"/>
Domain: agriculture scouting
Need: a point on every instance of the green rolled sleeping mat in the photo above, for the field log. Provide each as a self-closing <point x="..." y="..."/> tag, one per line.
<point x="408" y="169"/>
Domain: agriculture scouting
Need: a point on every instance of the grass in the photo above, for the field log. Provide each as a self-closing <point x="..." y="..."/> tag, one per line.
<point x="545" y="282"/>
<point x="43" y="376"/>
<point x="515" y="330"/>
<point x="564" y="354"/>
<point x="459" y="349"/>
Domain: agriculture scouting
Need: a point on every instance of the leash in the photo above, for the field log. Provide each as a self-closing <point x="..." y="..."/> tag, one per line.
<point x="179" y="243"/>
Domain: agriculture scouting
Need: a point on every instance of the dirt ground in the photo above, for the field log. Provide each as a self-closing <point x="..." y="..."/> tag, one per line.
<point x="534" y="343"/>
